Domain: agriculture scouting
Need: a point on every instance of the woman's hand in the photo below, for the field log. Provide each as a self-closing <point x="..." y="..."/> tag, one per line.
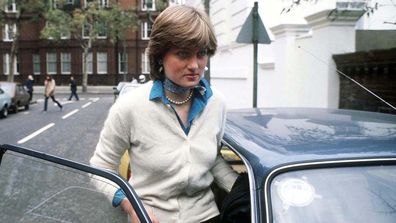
<point x="127" y="207"/>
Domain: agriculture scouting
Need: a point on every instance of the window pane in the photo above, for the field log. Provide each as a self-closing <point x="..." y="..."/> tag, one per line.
<point x="88" y="63"/>
<point x="36" y="63"/>
<point x="102" y="63"/>
<point x="51" y="63"/>
<point x="123" y="63"/>
<point x="145" y="66"/>
<point x="66" y="63"/>
<point x="5" y="63"/>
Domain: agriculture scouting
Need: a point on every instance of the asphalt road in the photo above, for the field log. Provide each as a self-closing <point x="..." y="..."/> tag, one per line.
<point x="32" y="190"/>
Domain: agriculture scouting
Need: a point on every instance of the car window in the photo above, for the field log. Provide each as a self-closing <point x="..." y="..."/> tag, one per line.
<point x="7" y="88"/>
<point x="36" y="190"/>
<point x="351" y="194"/>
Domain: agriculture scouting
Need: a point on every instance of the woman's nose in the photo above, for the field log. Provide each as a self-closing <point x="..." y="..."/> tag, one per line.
<point x="193" y="63"/>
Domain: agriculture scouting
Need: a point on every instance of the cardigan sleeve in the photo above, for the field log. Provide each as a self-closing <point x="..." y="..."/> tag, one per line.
<point x="114" y="140"/>
<point x="223" y="174"/>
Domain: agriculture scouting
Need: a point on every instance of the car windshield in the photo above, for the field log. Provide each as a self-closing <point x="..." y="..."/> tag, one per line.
<point x="35" y="190"/>
<point x="7" y="88"/>
<point x="353" y="194"/>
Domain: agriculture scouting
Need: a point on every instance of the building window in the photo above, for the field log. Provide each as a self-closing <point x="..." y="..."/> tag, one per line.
<point x="9" y="32"/>
<point x="104" y="3"/>
<point x="65" y="63"/>
<point x="10" y="6"/>
<point x="88" y="63"/>
<point x="177" y="2"/>
<point x="51" y="63"/>
<point x="102" y="63"/>
<point x="86" y="2"/>
<point x="148" y="5"/>
<point x="36" y="64"/>
<point x="6" y="64"/>
<point x="145" y="63"/>
<point x="69" y="2"/>
<point x="85" y="31"/>
<point x="65" y="35"/>
<point x="123" y="63"/>
<point x="146" y="30"/>
<point x="102" y="32"/>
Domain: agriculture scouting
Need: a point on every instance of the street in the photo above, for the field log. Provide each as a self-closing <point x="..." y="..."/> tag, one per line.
<point x="71" y="133"/>
<point x="33" y="190"/>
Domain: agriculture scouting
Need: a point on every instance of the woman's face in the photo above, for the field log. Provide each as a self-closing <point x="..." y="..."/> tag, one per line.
<point x="184" y="67"/>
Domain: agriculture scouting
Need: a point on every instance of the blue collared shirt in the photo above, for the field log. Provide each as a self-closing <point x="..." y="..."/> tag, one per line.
<point x="202" y="93"/>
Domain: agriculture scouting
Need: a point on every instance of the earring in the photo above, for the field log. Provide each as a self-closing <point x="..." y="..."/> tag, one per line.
<point x="161" y="67"/>
<point x="206" y="68"/>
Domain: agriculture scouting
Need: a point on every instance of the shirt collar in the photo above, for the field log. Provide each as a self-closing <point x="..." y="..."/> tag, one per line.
<point x="202" y="91"/>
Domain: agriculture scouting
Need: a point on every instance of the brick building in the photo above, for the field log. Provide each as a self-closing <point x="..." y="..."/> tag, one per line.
<point x="106" y="64"/>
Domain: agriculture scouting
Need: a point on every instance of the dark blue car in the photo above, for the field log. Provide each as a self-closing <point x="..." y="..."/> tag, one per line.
<point x="303" y="165"/>
<point x="317" y="165"/>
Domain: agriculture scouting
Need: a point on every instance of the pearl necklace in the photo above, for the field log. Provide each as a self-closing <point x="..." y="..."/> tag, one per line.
<point x="181" y="102"/>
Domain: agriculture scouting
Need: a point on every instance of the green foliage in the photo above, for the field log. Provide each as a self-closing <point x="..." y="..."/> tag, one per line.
<point x="90" y="22"/>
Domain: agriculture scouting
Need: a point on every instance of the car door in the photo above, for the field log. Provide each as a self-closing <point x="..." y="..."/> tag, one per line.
<point x="38" y="187"/>
<point x="22" y="95"/>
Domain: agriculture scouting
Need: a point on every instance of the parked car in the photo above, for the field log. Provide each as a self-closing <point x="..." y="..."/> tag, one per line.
<point x="5" y="102"/>
<point x="18" y="93"/>
<point x="310" y="165"/>
<point x="317" y="165"/>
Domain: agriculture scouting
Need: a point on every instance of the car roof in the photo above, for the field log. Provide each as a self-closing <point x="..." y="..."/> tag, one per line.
<point x="272" y="137"/>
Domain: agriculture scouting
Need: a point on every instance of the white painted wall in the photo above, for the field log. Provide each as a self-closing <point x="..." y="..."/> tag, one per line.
<point x="296" y="69"/>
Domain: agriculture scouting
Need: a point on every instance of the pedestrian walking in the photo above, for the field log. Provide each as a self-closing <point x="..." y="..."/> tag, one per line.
<point x="73" y="88"/>
<point x="29" y="85"/>
<point x="171" y="127"/>
<point x="49" y="92"/>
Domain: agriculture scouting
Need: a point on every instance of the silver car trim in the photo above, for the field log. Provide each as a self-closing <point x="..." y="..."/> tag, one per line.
<point x="252" y="187"/>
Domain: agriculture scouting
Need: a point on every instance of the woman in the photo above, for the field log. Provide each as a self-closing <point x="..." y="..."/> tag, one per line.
<point x="172" y="127"/>
<point x="49" y="92"/>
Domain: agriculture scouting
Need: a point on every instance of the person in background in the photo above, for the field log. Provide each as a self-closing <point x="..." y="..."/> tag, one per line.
<point x="73" y="88"/>
<point x="171" y="127"/>
<point x="49" y="92"/>
<point x="29" y="85"/>
<point x="142" y="79"/>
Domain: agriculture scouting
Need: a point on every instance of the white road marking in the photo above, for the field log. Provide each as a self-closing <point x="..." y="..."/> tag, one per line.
<point x="86" y="105"/>
<point x="34" y="134"/>
<point x="94" y="99"/>
<point x="69" y="114"/>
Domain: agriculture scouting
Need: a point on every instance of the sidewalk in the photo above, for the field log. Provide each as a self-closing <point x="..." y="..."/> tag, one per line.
<point x="66" y="90"/>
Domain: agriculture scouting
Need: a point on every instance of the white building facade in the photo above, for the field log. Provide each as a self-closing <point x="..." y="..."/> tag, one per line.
<point x="296" y="69"/>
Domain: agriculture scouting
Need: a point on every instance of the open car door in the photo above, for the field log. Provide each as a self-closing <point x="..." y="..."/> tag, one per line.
<point x="40" y="188"/>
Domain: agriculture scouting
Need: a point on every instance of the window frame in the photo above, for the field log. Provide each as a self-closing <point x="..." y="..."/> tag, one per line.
<point x="146" y="30"/>
<point x="66" y="63"/>
<point x="51" y="62"/>
<point x="7" y="32"/>
<point x="36" y="63"/>
<point x="100" y="62"/>
<point x="145" y="63"/>
<point x="6" y="64"/>
<point x="122" y="63"/>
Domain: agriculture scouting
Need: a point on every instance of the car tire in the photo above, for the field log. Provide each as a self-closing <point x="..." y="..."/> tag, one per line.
<point x="15" y="108"/>
<point x="27" y="107"/>
<point x="4" y="112"/>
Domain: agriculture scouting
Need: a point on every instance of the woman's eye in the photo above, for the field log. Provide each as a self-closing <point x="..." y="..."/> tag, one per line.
<point x="183" y="54"/>
<point x="202" y="53"/>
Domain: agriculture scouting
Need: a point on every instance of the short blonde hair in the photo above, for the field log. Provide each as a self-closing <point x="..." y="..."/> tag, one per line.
<point x="179" y="26"/>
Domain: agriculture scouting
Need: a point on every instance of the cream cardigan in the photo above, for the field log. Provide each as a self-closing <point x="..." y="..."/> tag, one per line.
<point x="171" y="171"/>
